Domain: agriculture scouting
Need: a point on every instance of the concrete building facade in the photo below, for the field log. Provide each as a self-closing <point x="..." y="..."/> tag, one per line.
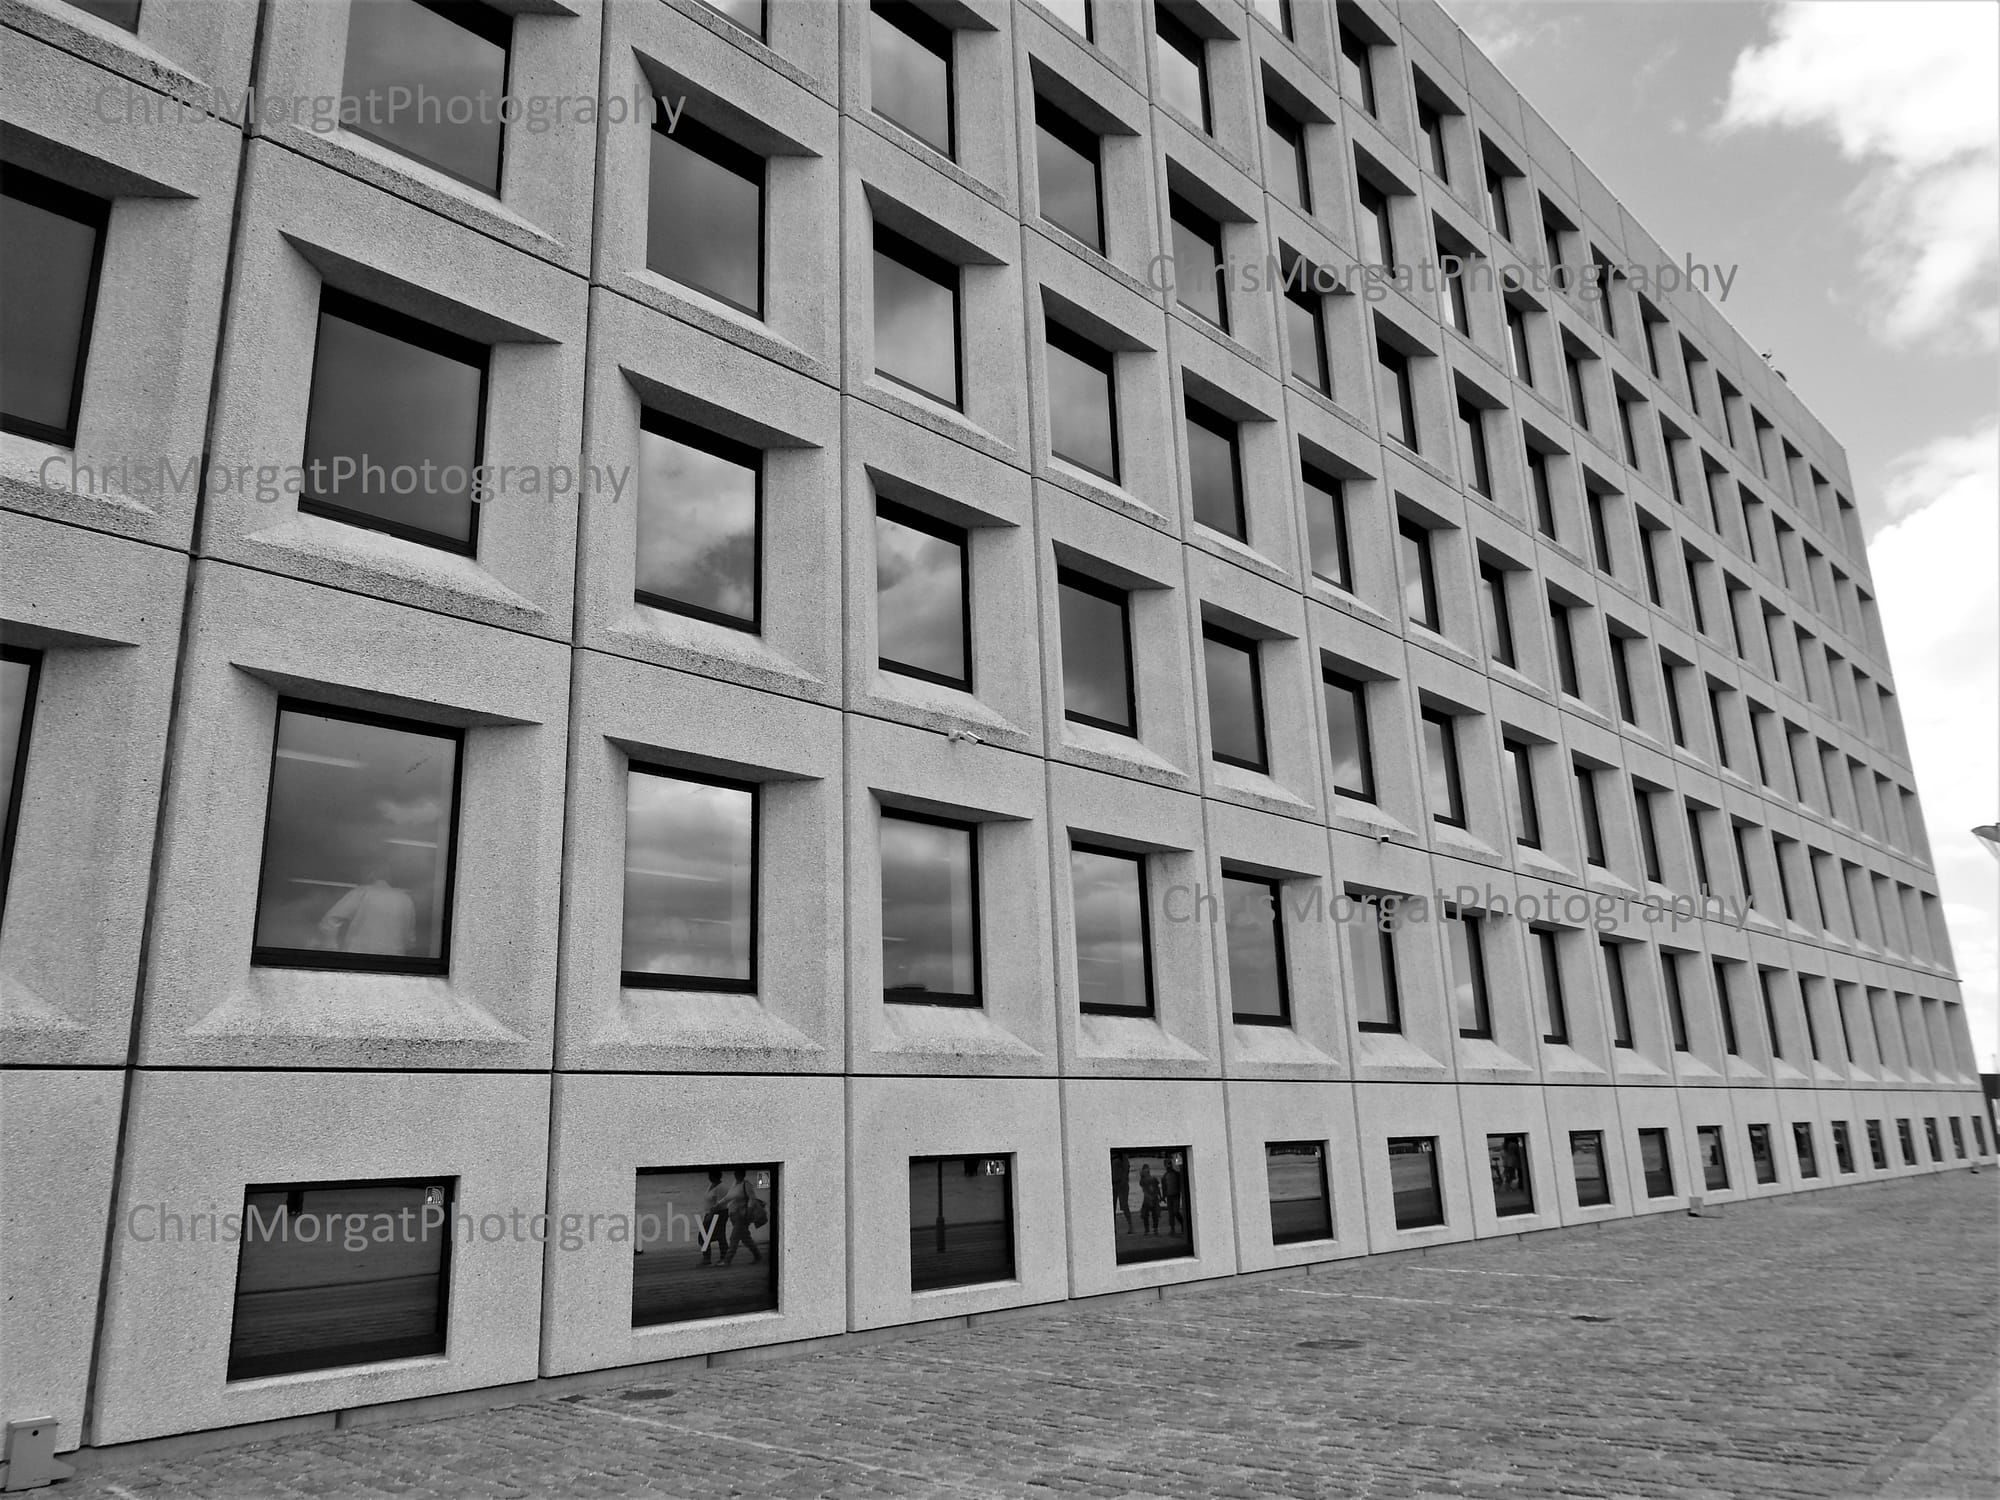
<point x="962" y="755"/>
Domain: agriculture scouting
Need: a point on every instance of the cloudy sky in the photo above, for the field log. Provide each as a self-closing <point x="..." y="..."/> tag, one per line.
<point x="1845" y="155"/>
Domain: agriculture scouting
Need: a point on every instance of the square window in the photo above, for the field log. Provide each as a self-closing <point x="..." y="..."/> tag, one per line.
<point x="1254" y="935"/>
<point x="690" y="882"/>
<point x="1802" y="1143"/>
<point x="1198" y="262"/>
<point x="930" y="910"/>
<point x="707" y="1243"/>
<point x="1096" y="653"/>
<point x="391" y="395"/>
<point x="1235" y="699"/>
<point x="1326" y="528"/>
<point x="1656" y="1164"/>
<point x="705" y="213"/>
<point x="1347" y="737"/>
<point x="1413" y="1182"/>
<point x="1395" y="396"/>
<point x="909" y="72"/>
<point x="916" y="318"/>
<point x="51" y="251"/>
<point x="1513" y="1184"/>
<point x="1215" y="471"/>
<point x="1586" y="1156"/>
<point x="310" y="1295"/>
<point x="1285" y="147"/>
<point x="1182" y="57"/>
<point x="700" y="540"/>
<point x="1371" y="949"/>
<point x="1420" y="590"/>
<point x="961" y="1221"/>
<point x="923" y="597"/>
<point x="360" y="843"/>
<point x="1069" y="174"/>
<point x="1114" y="947"/>
<point x="1159" y="1175"/>
<point x="1301" y="1201"/>
<point x="1447" y="796"/>
<point x="1762" y="1162"/>
<point x="20" y="675"/>
<point x="1083" y="402"/>
<point x="1466" y="936"/>
<point x="451" y="54"/>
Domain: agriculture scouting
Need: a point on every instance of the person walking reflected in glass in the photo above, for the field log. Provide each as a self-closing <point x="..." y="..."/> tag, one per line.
<point x="715" y="1219"/>
<point x="1149" y="1199"/>
<point x="374" y="918"/>
<point x="1173" y="1196"/>
<point x="743" y="1206"/>
<point x="1121" y="1188"/>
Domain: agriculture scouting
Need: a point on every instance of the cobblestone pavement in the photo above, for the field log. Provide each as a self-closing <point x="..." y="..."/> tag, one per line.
<point x="1838" y="1344"/>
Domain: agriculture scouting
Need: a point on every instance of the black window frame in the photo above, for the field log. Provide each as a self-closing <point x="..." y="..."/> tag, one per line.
<point x="1415" y="532"/>
<point x="1555" y="1000"/>
<point x="703" y="440"/>
<point x="1563" y="628"/>
<point x="1282" y="123"/>
<point x="1430" y="127"/>
<point x="772" y="1251"/>
<point x="641" y="980"/>
<point x="1527" y="1207"/>
<point x="918" y="1288"/>
<point x="976" y="1000"/>
<point x="1274" y="890"/>
<point x="1472" y="417"/>
<point x="943" y="531"/>
<point x="94" y="213"/>
<point x="1541" y="486"/>
<point x="1644" y="809"/>
<point x="1314" y="478"/>
<point x="1184" y="213"/>
<point x="1670" y="983"/>
<point x="1080" y="138"/>
<point x="1223" y="636"/>
<point x="712" y="145"/>
<point x="1454" y="814"/>
<point x="1620" y="647"/>
<point x="1520" y="346"/>
<point x="1065" y="340"/>
<point x="24" y="740"/>
<point x="1595" y="1138"/>
<point x="1298" y="278"/>
<point x="940" y="41"/>
<point x="390" y="323"/>
<point x="1473" y="924"/>
<point x="1617" y="992"/>
<point x="1105" y="851"/>
<point x="1357" y="691"/>
<point x="1392" y="979"/>
<point x="1374" y="202"/>
<point x="1725" y="1005"/>
<point x="1427" y="1146"/>
<point x="1083" y="583"/>
<point x="1358" y="51"/>
<point x="911" y="256"/>
<point x="1666" y="1172"/>
<point x="1311" y="1234"/>
<point x="1521" y="753"/>
<point x="1177" y="34"/>
<point x="264" y="957"/>
<point x="1197" y="413"/>
<point x="1500" y="616"/>
<point x="489" y="25"/>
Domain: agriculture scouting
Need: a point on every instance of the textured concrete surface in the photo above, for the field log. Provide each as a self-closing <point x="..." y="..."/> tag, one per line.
<point x="1838" y="1344"/>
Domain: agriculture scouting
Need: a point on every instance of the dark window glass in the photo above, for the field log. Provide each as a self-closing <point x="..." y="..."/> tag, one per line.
<point x="1625" y="431"/>
<point x="1726" y="1006"/>
<point x="1498" y="618"/>
<point x="1114" y="961"/>
<point x="1472" y="431"/>
<point x="1326" y="529"/>
<point x="1083" y="403"/>
<point x="1676" y="724"/>
<point x="705" y="213"/>
<point x="1517" y="345"/>
<point x="1621" y="1000"/>
<point x="1957" y="1136"/>
<point x="1198" y="264"/>
<point x="1301" y="1201"/>
<point x="1519" y="786"/>
<point x="961" y="1221"/>
<point x="1698" y="851"/>
<point x="1978" y="1136"/>
<point x="359" y="842"/>
<point x="923" y="618"/>
<point x="690" y="882"/>
<point x="1656" y="1164"/>
<point x="1413" y="1182"/>
<point x="1600" y="534"/>
<point x="391" y="395"/>
<point x="1621" y="677"/>
<point x="1546" y="958"/>
<point x="1183" y="68"/>
<point x="1069" y="174"/>
<point x="1347" y="737"/>
<point x="1254" y="933"/>
<point x="1646" y="808"/>
<point x="1586" y="1157"/>
<point x="313" y="1293"/>
<point x="909" y="72"/>
<point x="1159" y="1177"/>
<point x="1447" y="795"/>
<point x="1378" y="237"/>
<point x="450" y="57"/>
<point x="1235" y="699"/>
<point x="930" y="910"/>
<point x="1931" y="1136"/>
<point x="1215" y="471"/>
<point x="1559" y="625"/>
<point x="1454" y="287"/>
<point x="1593" y="824"/>
<point x="916" y="317"/>
<point x="749" y="14"/>
<point x="1607" y="280"/>
<point x="1430" y="121"/>
<point x="1470" y="1004"/>
<point x="1496" y="201"/>
<point x="20" y="673"/>
<point x="1763" y="1163"/>
<point x="1096" y="654"/>
<point x="1908" y="1143"/>
<point x="700" y="504"/>
<point x="1876" y="1151"/>
<point x="1420" y="591"/>
<point x="1714" y="1165"/>
<point x="707" y="1242"/>
<point x="1395" y="396"/>
<point x="1545" y="495"/>
<point x="123" y="13"/>
<point x="1843" y="1147"/>
<point x="51" y="248"/>
<point x="1802" y="1143"/>
<point x="1513" y="1185"/>
<point x="1650" y="541"/>
<point x="1285" y="146"/>
<point x="1579" y="407"/>
<point x="1357" y="75"/>
<point x="1371" y="948"/>
<point x="1305" y="332"/>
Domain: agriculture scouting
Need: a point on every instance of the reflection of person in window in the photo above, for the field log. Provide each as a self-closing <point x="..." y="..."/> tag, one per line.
<point x="1149" y="1198"/>
<point x="1121" y="1188"/>
<point x="742" y="1203"/>
<point x="1173" y="1191"/>
<point x="715" y="1219"/>
<point x="374" y="918"/>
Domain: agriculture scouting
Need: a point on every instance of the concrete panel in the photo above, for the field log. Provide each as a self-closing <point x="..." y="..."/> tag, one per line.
<point x="1395" y="1111"/>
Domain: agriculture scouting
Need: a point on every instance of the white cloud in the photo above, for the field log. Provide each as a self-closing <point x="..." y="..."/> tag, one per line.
<point x="1934" y="580"/>
<point x="1909" y="89"/>
<point x="1501" y="27"/>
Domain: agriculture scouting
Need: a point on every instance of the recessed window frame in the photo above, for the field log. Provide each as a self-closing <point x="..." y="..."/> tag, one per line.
<point x="1453" y="814"/>
<point x="1173" y="32"/>
<point x="1356" y="691"/>
<point x="24" y="738"/>
<point x="1617" y="992"/>
<point x="639" y="979"/>
<point x="1199" y="414"/>
<point x="953" y="1000"/>
<point x="1073" y="345"/>
<point x="719" y="150"/>
<point x="1528" y="813"/>
<point x="1083" y="583"/>
<point x="1274" y="892"/>
<point x="936" y="38"/>
<point x="1510" y="1142"/>
<point x="1419" y="537"/>
<point x="1498" y="613"/>
<point x="1472" y="928"/>
<point x="1138" y="861"/>
<point x="934" y="268"/>
<point x="1184" y="215"/>
<point x="943" y="531"/>
<point x="94" y="213"/>
<point x="701" y="439"/>
<point x="1250" y="648"/>
<point x="489" y="25"/>
<point x="1322" y="1230"/>
<point x="1318" y="482"/>
<point x="1066" y="129"/>
<point x="1007" y="1163"/>
<point x="1288" y="129"/>
<point x="1592" y="1143"/>
<point x="1427" y="1147"/>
